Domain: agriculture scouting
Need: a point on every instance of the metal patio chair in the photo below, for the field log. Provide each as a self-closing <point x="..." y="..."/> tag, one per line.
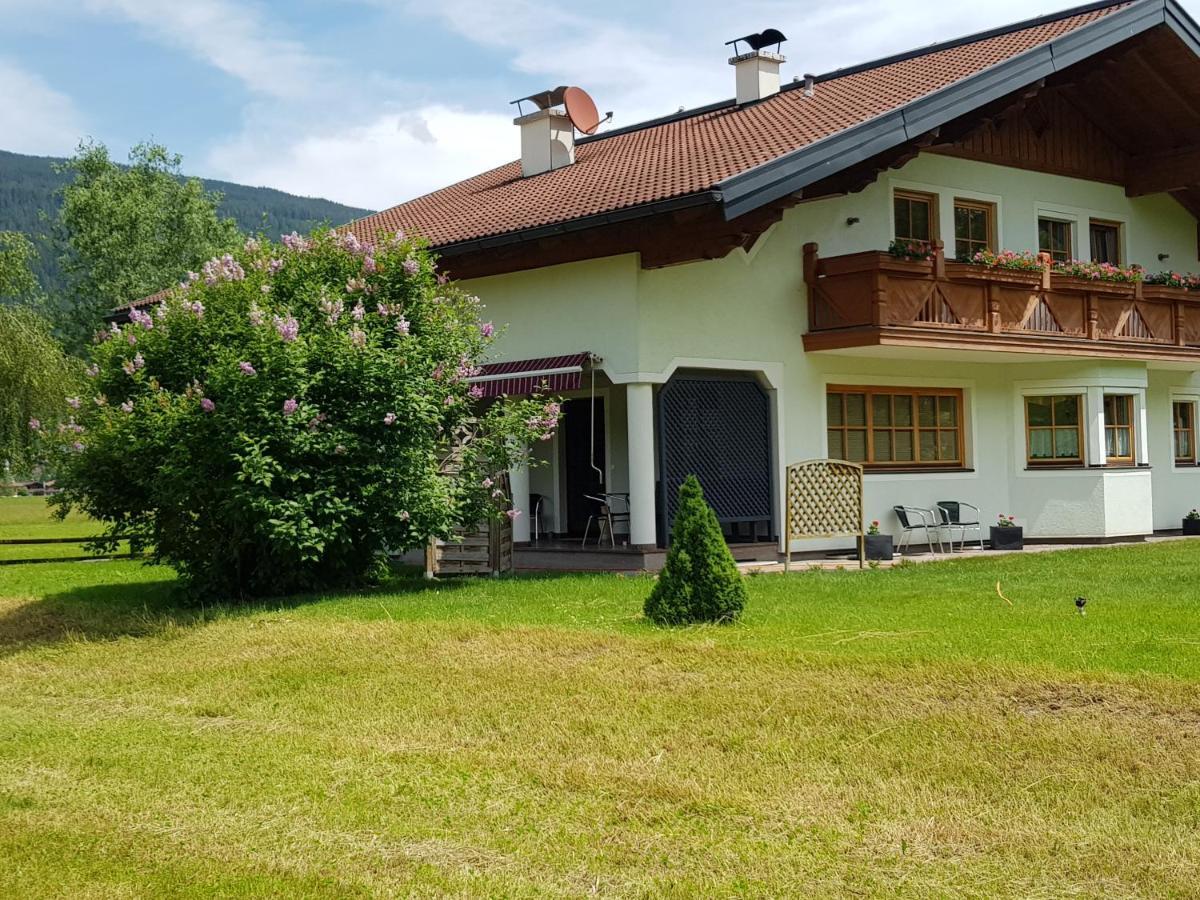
<point x="535" y="509"/>
<point x="952" y="517"/>
<point x="606" y="517"/>
<point x="914" y="518"/>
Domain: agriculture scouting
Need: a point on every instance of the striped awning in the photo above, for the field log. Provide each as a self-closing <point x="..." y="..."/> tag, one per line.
<point x="550" y="374"/>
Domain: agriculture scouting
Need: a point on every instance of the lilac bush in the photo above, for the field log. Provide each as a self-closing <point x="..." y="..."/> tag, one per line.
<point x="291" y="414"/>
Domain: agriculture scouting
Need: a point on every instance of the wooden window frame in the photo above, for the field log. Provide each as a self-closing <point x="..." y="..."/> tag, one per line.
<point x="1108" y="223"/>
<point x="869" y="392"/>
<point x="1131" y="459"/>
<point x="1070" y="235"/>
<point x="920" y="197"/>
<point x="982" y="206"/>
<point x="1189" y="430"/>
<point x="1055" y="460"/>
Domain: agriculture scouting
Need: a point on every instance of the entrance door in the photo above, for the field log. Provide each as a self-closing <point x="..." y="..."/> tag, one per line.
<point x="578" y="455"/>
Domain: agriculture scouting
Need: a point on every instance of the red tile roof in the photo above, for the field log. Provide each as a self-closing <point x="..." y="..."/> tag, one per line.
<point x="693" y="153"/>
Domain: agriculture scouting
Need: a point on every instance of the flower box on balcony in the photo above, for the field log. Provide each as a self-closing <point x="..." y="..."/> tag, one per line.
<point x="1090" y="285"/>
<point x="1162" y="292"/>
<point x="975" y="272"/>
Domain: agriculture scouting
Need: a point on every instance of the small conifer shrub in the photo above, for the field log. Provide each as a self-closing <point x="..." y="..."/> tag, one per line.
<point x="700" y="581"/>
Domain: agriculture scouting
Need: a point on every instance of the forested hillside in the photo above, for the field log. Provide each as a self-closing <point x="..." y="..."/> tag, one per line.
<point x="28" y="204"/>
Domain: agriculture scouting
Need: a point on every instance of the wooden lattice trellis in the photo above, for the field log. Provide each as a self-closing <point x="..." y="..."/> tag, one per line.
<point x="824" y="500"/>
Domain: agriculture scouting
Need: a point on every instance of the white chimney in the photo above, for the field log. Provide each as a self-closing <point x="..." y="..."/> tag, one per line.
<point x="757" y="75"/>
<point x="547" y="133"/>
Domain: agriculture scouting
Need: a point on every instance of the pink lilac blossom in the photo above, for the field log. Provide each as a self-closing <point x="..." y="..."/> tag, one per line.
<point x="497" y="494"/>
<point x="487" y="329"/>
<point x="476" y="392"/>
<point x="512" y="513"/>
<point x="100" y="400"/>
<point x="265" y="288"/>
<point x="293" y="241"/>
<point x="389" y="419"/>
<point x="410" y="266"/>
<point x="443" y="278"/>
<point x="247" y="369"/>
<point x="251" y="245"/>
<point x="207" y="405"/>
<point x="369" y="265"/>
<point x="287" y="328"/>
<point x="196" y="308"/>
<point x="404" y="516"/>
<point x="256" y="315"/>
<point x="35" y="425"/>
<point x="438" y="372"/>
<point x="402" y="325"/>
<point x="92" y="371"/>
<point x="290" y="406"/>
<point x="332" y="309"/>
<point x="127" y="406"/>
<point x="274" y="266"/>
<point x="222" y="268"/>
<point x="131" y="338"/>
<point x="487" y="482"/>
<point x="137" y="317"/>
<point x="450" y="400"/>
<point x="358" y="337"/>
<point x="347" y="241"/>
<point x="382" y="309"/>
<point x="358" y="312"/>
<point x="77" y="446"/>
<point x="138" y="361"/>
<point x="161" y="310"/>
<point x="128" y="366"/>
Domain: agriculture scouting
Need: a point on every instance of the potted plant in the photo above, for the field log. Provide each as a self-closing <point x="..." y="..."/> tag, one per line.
<point x="1006" y="534"/>
<point x="1191" y="522"/>
<point x="877" y="546"/>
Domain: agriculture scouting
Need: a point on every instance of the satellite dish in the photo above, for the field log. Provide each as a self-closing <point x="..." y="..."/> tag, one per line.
<point x="581" y="110"/>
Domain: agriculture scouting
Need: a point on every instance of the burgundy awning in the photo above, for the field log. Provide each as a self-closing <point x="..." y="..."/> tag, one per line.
<point x="552" y="374"/>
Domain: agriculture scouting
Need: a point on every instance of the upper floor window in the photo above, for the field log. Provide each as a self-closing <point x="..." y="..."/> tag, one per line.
<point x="1106" y="242"/>
<point x="974" y="225"/>
<point x="1054" y="430"/>
<point x="895" y="427"/>
<point x="1054" y="237"/>
<point x="1118" y="429"/>
<point x="914" y="216"/>
<point x="1184" y="416"/>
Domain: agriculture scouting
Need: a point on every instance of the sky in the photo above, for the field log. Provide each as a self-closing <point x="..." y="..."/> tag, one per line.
<point x="373" y="102"/>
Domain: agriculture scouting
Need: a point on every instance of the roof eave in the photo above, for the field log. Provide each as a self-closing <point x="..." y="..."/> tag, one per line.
<point x="787" y="174"/>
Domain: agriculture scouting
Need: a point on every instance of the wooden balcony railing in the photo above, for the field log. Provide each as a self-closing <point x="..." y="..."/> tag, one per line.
<point x="874" y="298"/>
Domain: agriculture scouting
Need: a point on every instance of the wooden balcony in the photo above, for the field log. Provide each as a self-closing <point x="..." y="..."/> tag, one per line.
<point x="875" y="299"/>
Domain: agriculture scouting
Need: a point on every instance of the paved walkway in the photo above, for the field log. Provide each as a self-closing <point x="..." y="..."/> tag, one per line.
<point x="838" y="563"/>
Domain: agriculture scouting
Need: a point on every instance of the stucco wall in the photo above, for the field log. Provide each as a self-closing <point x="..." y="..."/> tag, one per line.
<point x="748" y="311"/>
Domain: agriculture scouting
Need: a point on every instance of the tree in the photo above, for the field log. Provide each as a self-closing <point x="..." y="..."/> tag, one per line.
<point x="17" y="256"/>
<point x="130" y="231"/>
<point x="35" y="376"/>
<point x="700" y="581"/>
<point x="291" y="413"/>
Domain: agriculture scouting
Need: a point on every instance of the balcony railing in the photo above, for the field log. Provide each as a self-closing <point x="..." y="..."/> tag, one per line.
<point x="875" y="298"/>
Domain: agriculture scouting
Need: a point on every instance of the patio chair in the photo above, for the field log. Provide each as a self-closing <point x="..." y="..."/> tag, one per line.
<point x="606" y="517"/>
<point x="914" y="518"/>
<point x="535" y="514"/>
<point x="953" y="516"/>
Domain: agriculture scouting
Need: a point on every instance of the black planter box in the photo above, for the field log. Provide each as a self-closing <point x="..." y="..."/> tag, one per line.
<point x="1191" y="526"/>
<point x="879" y="547"/>
<point x="1008" y="538"/>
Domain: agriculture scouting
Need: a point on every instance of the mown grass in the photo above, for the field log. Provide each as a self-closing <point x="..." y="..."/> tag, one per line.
<point x="899" y="733"/>
<point x="29" y="518"/>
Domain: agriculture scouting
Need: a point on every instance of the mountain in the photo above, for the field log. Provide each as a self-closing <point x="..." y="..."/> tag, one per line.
<point x="28" y="204"/>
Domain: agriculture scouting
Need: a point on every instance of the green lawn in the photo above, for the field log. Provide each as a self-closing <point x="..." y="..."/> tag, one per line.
<point x="25" y="518"/>
<point x="887" y="733"/>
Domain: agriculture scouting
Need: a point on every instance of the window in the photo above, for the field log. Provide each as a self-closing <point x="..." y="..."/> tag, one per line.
<point x="914" y="216"/>
<point x="895" y="427"/>
<point x="1054" y="237"/>
<point x="1054" y="430"/>
<point x="1106" y="242"/>
<point x="1184" y="415"/>
<point x="972" y="228"/>
<point x="1118" y="429"/>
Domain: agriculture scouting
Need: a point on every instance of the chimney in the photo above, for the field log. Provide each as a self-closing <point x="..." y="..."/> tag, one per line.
<point x="547" y="134"/>
<point x="757" y="69"/>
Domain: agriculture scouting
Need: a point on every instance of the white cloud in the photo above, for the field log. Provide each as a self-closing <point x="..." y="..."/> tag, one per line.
<point x="34" y="117"/>
<point x="231" y="37"/>
<point x="377" y="164"/>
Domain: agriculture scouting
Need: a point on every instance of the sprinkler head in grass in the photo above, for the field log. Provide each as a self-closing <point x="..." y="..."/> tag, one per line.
<point x="1080" y="603"/>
